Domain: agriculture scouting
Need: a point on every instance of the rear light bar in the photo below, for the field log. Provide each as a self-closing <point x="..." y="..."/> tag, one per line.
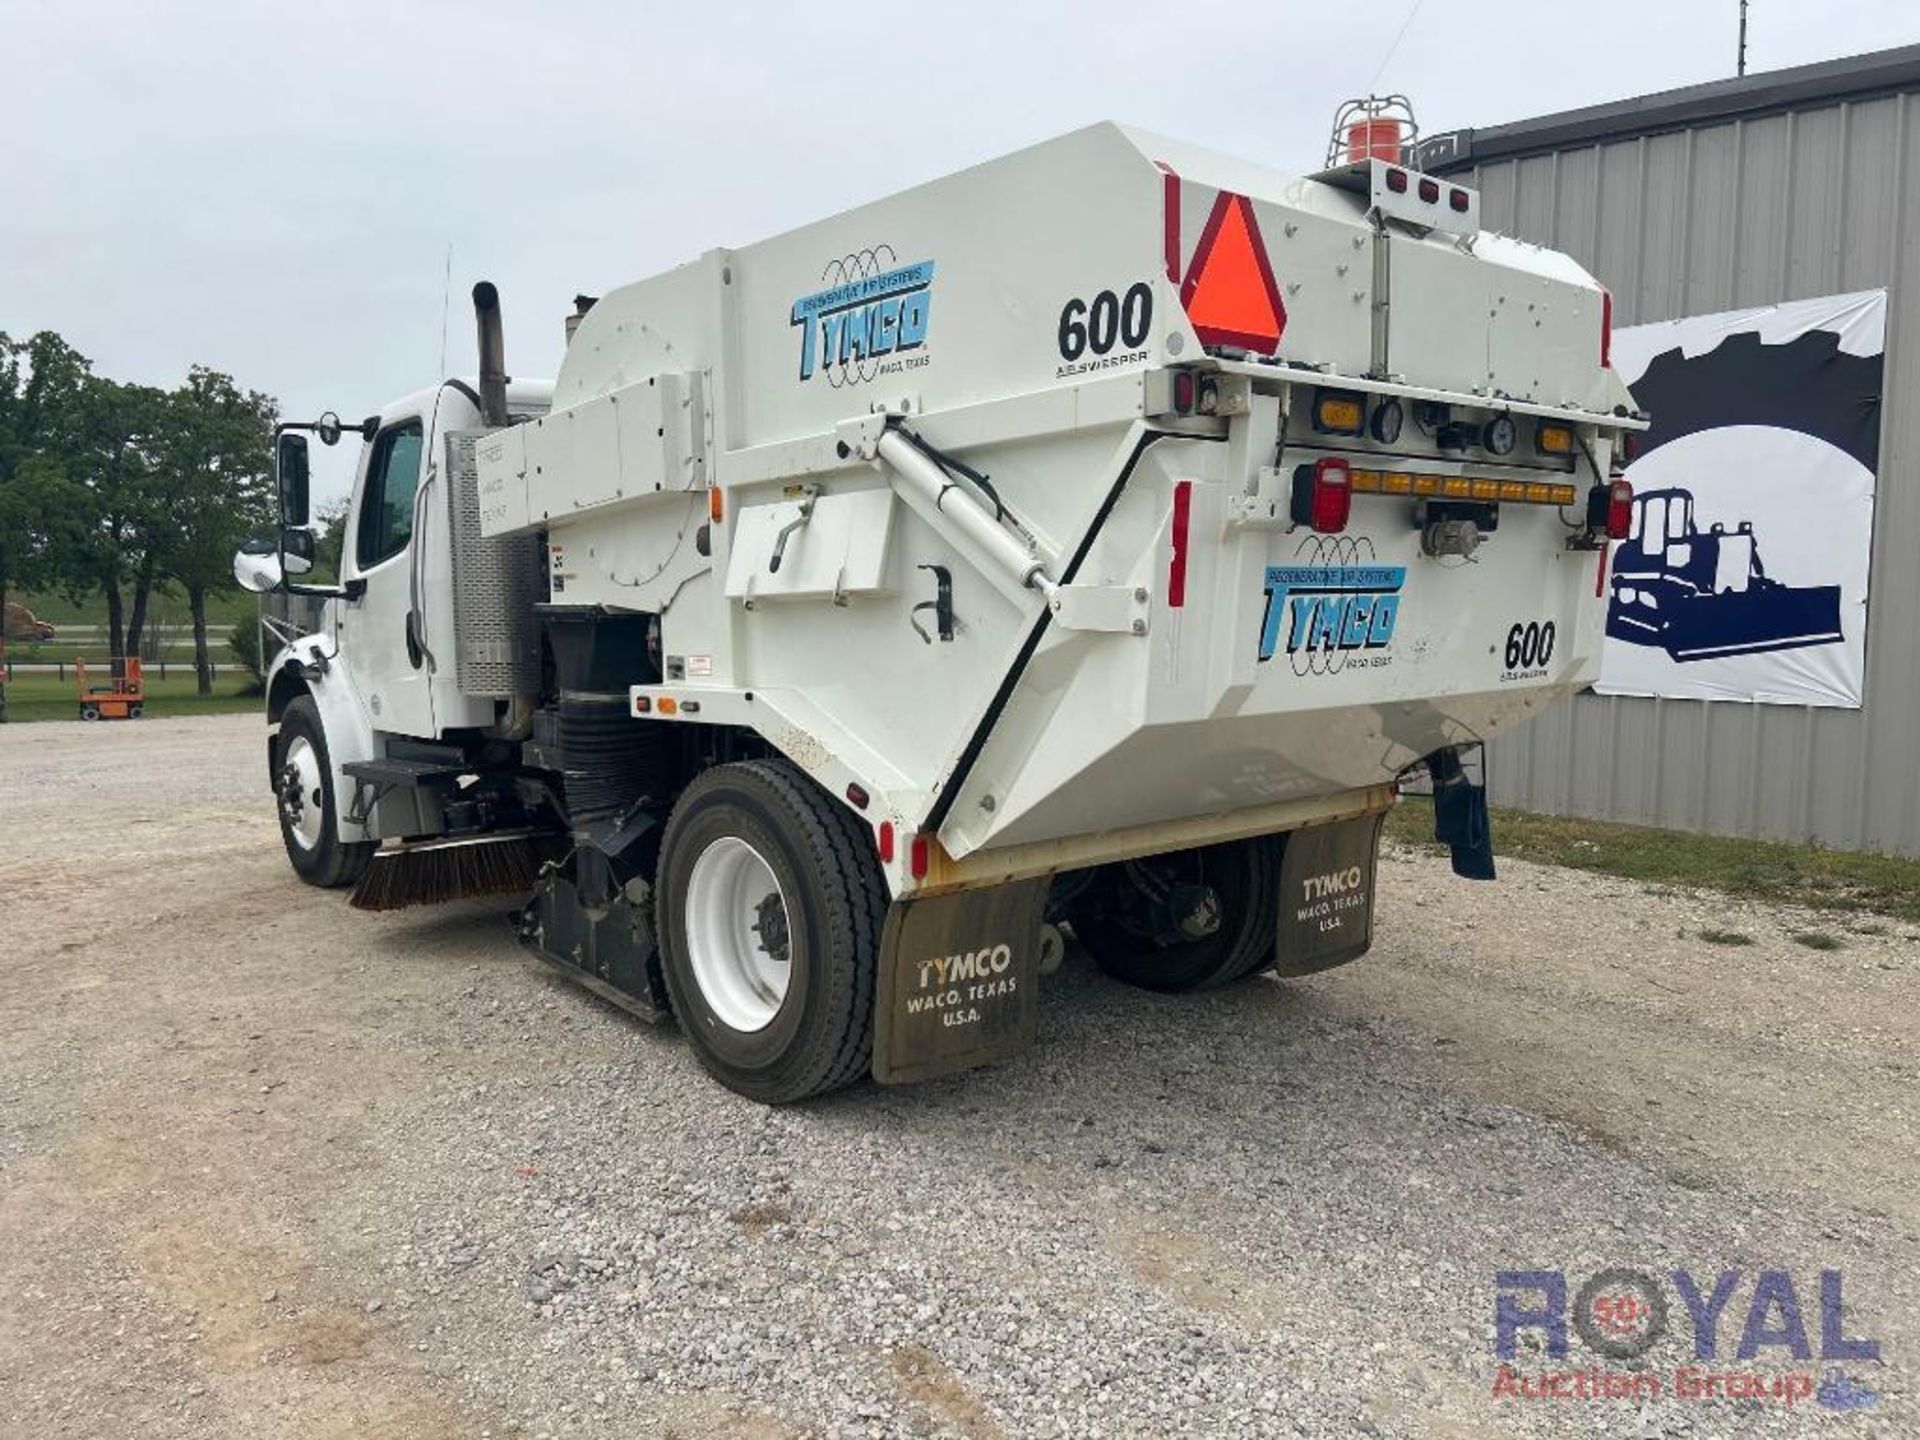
<point x="1461" y="487"/>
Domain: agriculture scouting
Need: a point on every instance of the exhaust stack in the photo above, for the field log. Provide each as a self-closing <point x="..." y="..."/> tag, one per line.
<point x="493" y="354"/>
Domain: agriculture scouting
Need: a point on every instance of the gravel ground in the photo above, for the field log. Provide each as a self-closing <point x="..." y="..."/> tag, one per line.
<point x="269" y="1166"/>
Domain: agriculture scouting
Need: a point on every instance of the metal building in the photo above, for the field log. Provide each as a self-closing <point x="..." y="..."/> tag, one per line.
<point x="1746" y="192"/>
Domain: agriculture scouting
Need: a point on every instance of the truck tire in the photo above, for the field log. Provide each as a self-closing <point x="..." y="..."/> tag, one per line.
<point x="769" y="907"/>
<point x="1112" y="917"/>
<point x="303" y="791"/>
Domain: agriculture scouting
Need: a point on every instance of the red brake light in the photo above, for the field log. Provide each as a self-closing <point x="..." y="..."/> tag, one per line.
<point x="1332" y="499"/>
<point x="1397" y="181"/>
<point x="1183" y="391"/>
<point x="1177" y="568"/>
<point x="917" y="855"/>
<point x="1619" y="509"/>
<point x="1429" y="190"/>
<point x="886" y="842"/>
<point x="1606" y="328"/>
<point x="1458" y="200"/>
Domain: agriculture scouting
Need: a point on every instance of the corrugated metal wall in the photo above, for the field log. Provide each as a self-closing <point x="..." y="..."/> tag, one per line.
<point x="1744" y="213"/>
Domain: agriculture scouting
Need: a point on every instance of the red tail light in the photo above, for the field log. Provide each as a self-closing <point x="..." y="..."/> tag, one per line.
<point x="1332" y="500"/>
<point x="917" y="856"/>
<point x="1430" y="191"/>
<point x="886" y="842"/>
<point x="1177" y="569"/>
<point x="1397" y="181"/>
<point x="1619" y="509"/>
<point x="1606" y="328"/>
<point x="1459" y="200"/>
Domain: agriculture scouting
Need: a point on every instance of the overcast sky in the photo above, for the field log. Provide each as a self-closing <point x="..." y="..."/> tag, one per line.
<point x="271" y="188"/>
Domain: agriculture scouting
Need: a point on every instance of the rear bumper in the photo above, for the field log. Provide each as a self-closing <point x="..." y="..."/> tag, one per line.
<point x="1005" y="863"/>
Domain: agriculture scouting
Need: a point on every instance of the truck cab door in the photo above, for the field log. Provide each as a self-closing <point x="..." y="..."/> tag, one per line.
<point x="389" y="669"/>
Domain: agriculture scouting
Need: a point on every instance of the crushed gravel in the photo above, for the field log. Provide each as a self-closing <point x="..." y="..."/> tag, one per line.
<point x="269" y="1166"/>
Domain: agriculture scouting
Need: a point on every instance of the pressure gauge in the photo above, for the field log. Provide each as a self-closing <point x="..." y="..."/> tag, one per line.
<point x="1500" y="435"/>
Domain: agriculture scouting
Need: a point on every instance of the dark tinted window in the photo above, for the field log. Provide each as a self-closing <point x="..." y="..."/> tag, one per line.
<point x="386" y="510"/>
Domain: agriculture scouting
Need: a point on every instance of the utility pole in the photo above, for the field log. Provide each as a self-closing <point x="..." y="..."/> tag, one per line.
<point x="1742" y="63"/>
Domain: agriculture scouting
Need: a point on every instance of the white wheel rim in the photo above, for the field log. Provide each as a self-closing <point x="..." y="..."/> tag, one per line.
<point x="302" y="801"/>
<point x="737" y="934"/>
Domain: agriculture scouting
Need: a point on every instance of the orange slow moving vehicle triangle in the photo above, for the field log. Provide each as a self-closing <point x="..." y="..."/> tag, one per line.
<point x="1229" y="293"/>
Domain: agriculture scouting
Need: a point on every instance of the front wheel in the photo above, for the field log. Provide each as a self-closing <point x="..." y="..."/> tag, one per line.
<point x="309" y="815"/>
<point x="770" y="904"/>
<point x="1190" y="920"/>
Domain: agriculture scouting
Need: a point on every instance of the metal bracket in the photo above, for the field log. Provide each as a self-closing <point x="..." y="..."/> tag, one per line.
<point x="860" y="437"/>
<point x="1269" y="506"/>
<point x="1120" y="609"/>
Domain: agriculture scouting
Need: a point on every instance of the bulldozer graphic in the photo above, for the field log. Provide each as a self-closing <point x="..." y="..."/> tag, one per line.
<point x="1704" y="595"/>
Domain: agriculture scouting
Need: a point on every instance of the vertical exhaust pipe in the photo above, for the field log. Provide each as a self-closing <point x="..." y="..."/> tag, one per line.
<point x="493" y="354"/>
<point x="517" y="723"/>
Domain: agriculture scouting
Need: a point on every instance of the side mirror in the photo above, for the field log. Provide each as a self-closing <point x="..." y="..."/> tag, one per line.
<point x="257" y="567"/>
<point x="290" y="472"/>
<point x="296" y="550"/>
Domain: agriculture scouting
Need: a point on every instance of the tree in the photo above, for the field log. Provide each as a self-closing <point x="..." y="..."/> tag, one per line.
<point x="42" y="380"/>
<point x="330" y="543"/>
<point x="212" y="448"/>
<point x="107" y="532"/>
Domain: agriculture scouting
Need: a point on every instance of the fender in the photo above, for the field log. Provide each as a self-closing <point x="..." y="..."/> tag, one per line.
<point x="343" y="715"/>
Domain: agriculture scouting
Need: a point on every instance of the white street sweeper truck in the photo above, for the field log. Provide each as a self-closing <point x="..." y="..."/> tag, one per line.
<point x="1094" y="540"/>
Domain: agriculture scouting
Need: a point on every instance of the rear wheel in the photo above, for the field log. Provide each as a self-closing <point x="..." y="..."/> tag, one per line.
<point x="1191" y="920"/>
<point x="309" y="816"/>
<point x="770" y="904"/>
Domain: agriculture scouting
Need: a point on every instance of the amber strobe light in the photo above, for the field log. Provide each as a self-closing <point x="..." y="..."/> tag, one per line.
<point x="1339" y="412"/>
<point x="1554" y="439"/>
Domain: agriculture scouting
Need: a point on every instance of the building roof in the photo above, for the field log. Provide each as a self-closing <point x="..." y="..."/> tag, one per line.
<point x="1882" y="72"/>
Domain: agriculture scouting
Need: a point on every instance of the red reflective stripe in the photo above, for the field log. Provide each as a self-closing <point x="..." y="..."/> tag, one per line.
<point x="1600" y="574"/>
<point x="1177" y="568"/>
<point x="1170" y="218"/>
<point x="1606" y="328"/>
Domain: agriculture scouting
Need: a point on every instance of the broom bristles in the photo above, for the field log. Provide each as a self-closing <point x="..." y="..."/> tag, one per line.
<point x="435" y="871"/>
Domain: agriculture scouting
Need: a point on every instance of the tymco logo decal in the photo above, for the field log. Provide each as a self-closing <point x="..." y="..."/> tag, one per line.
<point x="1334" y="610"/>
<point x="870" y="320"/>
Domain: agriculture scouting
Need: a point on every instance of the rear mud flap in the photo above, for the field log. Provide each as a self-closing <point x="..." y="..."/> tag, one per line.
<point x="1327" y="875"/>
<point x="959" y="980"/>
<point x="1461" y="820"/>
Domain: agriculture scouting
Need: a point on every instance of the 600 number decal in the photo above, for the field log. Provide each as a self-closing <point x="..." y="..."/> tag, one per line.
<point x="1095" y="326"/>
<point x="1529" y="645"/>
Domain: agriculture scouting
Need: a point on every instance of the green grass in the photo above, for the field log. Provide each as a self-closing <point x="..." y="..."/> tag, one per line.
<point x="47" y="697"/>
<point x="1842" y="880"/>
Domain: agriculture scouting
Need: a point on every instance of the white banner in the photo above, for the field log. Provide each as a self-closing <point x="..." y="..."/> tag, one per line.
<point x="1746" y="574"/>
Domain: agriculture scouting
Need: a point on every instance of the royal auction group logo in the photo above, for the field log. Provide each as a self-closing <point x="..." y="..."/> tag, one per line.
<point x="1621" y="1315"/>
